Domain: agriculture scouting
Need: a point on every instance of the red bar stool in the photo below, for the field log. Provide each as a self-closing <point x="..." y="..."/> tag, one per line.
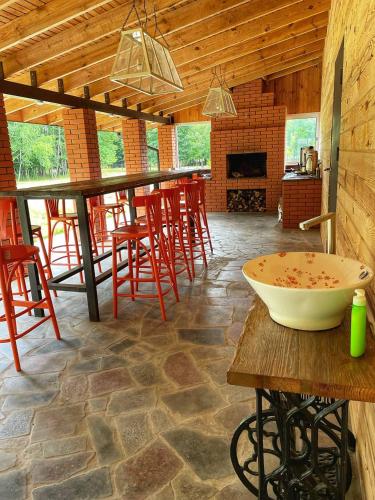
<point x="175" y="229"/>
<point x="69" y="222"/>
<point x="13" y="258"/>
<point x="202" y="207"/>
<point x="99" y="212"/>
<point x="152" y="262"/>
<point x="122" y="197"/>
<point x="192" y="220"/>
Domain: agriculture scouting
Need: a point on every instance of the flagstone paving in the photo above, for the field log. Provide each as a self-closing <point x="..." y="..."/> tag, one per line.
<point x="137" y="408"/>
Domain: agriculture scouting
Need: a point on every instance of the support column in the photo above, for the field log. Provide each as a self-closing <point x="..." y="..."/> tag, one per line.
<point x="168" y="152"/>
<point x="135" y="148"/>
<point x="7" y="173"/>
<point x="82" y="146"/>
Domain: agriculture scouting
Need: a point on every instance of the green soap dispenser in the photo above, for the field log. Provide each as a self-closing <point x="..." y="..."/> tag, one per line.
<point x="358" y="325"/>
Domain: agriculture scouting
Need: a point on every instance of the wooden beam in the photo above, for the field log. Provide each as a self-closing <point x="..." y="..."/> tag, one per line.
<point x="6" y="3"/>
<point x="44" y="18"/>
<point x="294" y="69"/>
<point x="95" y="72"/>
<point x="19" y="89"/>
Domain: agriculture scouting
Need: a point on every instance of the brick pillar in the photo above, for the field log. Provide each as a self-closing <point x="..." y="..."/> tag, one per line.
<point x="135" y="148"/>
<point x="82" y="145"/>
<point x="168" y="152"/>
<point x="7" y="173"/>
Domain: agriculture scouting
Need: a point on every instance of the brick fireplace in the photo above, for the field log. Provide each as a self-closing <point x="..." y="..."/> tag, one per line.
<point x="255" y="136"/>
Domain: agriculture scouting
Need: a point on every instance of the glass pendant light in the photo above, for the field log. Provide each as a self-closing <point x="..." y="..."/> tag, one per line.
<point x="219" y="102"/>
<point x="143" y="63"/>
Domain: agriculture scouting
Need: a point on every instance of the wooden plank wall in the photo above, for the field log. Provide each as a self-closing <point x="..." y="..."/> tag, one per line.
<point x="299" y="91"/>
<point x="354" y="20"/>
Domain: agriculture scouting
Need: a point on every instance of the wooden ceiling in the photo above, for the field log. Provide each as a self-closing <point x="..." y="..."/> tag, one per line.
<point x="76" y="40"/>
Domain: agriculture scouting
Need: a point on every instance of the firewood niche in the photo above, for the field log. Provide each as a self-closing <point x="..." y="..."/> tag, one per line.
<point x="246" y="200"/>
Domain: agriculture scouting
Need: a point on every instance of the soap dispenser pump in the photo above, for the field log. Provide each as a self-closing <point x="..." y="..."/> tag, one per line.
<point x="358" y="324"/>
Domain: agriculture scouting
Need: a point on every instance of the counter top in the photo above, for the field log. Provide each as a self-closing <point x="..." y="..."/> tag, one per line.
<point x="291" y="176"/>
<point x="271" y="356"/>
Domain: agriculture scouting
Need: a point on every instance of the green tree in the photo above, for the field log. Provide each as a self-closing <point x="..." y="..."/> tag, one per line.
<point x="110" y="149"/>
<point x="153" y="144"/>
<point x="300" y="132"/>
<point x="194" y="144"/>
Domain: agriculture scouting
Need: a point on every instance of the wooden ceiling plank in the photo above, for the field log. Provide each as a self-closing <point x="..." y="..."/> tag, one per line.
<point x="294" y="69"/>
<point x="6" y="3"/>
<point x="44" y="18"/>
<point x="105" y="24"/>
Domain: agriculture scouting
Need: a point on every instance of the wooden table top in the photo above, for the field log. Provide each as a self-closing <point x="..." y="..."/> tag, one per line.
<point x="89" y="188"/>
<point x="271" y="356"/>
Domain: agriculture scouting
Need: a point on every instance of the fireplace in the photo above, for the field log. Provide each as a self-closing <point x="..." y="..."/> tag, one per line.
<point x="245" y="165"/>
<point x="246" y="200"/>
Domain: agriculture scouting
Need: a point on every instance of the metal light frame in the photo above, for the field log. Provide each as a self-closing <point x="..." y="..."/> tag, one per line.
<point x="143" y="63"/>
<point x="219" y="102"/>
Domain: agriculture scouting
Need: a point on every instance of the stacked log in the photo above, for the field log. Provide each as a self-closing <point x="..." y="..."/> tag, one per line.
<point x="246" y="200"/>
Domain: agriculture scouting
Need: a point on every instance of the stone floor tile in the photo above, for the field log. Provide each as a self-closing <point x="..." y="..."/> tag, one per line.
<point x="160" y="420"/>
<point x="214" y="316"/>
<point x="134" y="430"/>
<point x="74" y="389"/>
<point x="231" y="416"/>
<point x="85" y="366"/>
<point x="108" y="381"/>
<point x="181" y="369"/>
<point x="122" y="346"/>
<point x="89" y="486"/>
<point x="188" y="488"/>
<point x="56" y="422"/>
<point x="155" y="466"/>
<point x="235" y="491"/>
<point x="205" y="336"/>
<point x="56" y="469"/>
<point x="103" y="440"/>
<point x="131" y="400"/>
<point x="32" y="383"/>
<point x="217" y="370"/>
<point x="97" y="404"/>
<point x="190" y="402"/>
<point x="7" y="460"/>
<point x="65" y="446"/>
<point x="13" y="485"/>
<point x="28" y="400"/>
<point x="16" y="424"/>
<point x="208" y="456"/>
<point x="165" y="494"/>
<point x="147" y="374"/>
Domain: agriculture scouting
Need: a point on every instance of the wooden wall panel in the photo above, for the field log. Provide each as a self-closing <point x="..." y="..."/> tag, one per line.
<point x="354" y="21"/>
<point x="299" y="91"/>
<point x="193" y="114"/>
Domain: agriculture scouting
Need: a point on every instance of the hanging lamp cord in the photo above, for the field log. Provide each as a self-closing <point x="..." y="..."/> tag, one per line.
<point x="134" y="8"/>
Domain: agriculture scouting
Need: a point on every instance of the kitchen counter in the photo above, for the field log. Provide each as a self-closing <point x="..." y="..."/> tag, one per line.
<point x="302" y="196"/>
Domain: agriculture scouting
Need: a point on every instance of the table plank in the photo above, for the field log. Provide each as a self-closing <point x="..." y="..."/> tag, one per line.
<point x="96" y="187"/>
<point x="271" y="356"/>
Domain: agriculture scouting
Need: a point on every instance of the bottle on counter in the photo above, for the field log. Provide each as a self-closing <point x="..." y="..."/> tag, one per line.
<point x="358" y="324"/>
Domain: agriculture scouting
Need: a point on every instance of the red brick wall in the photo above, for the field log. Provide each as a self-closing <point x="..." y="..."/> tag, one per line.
<point x="82" y="144"/>
<point x="259" y="126"/>
<point x="168" y="153"/>
<point x="7" y="174"/>
<point x="135" y="148"/>
<point x="301" y="201"/>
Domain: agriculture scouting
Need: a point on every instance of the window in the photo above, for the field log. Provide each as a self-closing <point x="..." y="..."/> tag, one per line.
<point x="111" y="151"/>
<point x="194" y="144"/>
<point x="153" y="149"/>
<point x="301" y="131"/>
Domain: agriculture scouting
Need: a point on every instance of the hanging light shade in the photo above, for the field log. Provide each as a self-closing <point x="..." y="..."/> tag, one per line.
<point x="144" y="64"/>
<point x="219" y="103"/>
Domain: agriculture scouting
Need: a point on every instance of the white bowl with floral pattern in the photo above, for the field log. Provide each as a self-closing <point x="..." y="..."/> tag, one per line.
<point x="306" y="290"/>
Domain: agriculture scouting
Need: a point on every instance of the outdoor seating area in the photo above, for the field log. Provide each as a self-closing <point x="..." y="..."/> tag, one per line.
<point x="187" y="250"/>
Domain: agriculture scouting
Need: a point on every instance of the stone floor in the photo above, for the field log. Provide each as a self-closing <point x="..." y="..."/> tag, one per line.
<point x="137" y="408"/>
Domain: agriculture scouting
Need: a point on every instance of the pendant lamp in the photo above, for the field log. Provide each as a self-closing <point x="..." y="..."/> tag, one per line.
<point x="219" y="102"/>
<point x="143" y="63"/>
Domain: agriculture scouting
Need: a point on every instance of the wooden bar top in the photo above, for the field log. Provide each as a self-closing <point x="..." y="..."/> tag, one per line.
<point x="89" y="188"/>
<point x="271" y="356"/>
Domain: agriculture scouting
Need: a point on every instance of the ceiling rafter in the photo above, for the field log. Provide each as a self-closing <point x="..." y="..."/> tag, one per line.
<point x="296" y="40"/>
<point x="44" y="18"/>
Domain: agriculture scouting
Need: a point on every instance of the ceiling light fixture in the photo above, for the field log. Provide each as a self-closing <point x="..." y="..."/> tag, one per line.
<point x="142" y="62"/>
<point x="219" y="102"/>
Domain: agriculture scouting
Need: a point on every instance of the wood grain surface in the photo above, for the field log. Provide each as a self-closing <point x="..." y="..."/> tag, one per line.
<point x="271" y="356"/>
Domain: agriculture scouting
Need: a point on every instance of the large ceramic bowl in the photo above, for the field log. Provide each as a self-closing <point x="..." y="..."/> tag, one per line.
<point x="306" y="290"/>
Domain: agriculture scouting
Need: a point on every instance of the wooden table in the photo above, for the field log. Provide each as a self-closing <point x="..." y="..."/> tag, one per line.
<point x="80" y="192"/>
<point x="307" y="380"/>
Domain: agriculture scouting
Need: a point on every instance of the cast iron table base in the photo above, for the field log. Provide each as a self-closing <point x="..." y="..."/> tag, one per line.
<point x="295" y="449"/>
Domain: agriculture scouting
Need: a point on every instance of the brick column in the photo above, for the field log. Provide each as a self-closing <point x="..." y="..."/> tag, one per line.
<point x="135" y="148"/>
<point x="82" y="145"/>
<point x="168" y="152"/>
<point x="7" y="173"/>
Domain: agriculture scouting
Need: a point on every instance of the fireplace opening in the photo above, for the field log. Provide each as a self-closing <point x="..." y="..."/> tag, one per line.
<point x="246" y="200"/>
<point x="244" y="165"/>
